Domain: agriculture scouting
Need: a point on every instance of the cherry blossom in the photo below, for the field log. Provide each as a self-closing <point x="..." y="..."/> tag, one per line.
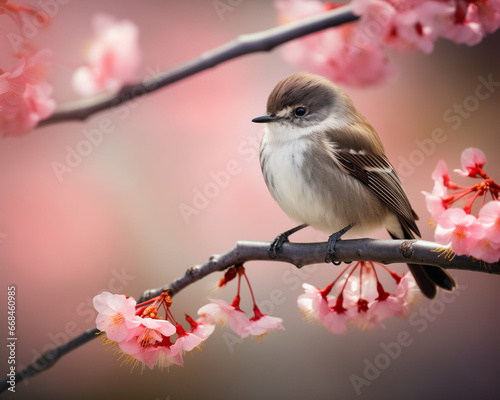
<point x="435" y="202"/>
<point x="355" y="53"/>
<point x="458" y="229"/>
<point x="221" y="312"/>
<point x="25" y="96"/>
<point x="473" y="161"/>
<point x="313" y="303"/>
<point x="488" y="246"/>
<point x="362" y="300"/>
<point x="477" y="237"/>
<point x="336" y="321"/>
<point x="113" y="57"/>
<point x="335" y="53"/>
<point x="201" y="327"/>
<point x="489" y="217"/>
<point x="261" y="323"/>
<point x="116" y="316"/>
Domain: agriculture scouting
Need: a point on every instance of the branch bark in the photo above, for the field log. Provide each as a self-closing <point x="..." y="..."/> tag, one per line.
<point x="243" y="44"/>
<point x="298" y="254"/>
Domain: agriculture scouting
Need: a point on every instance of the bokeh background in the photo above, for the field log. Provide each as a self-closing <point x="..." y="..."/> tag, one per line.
<point x="114" y="223"/>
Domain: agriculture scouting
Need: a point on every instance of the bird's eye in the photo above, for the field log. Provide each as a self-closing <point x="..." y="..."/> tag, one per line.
<point x="300" y="111"/>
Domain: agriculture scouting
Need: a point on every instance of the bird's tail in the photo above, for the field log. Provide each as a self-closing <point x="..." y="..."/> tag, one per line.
<point x="428" y="277"/>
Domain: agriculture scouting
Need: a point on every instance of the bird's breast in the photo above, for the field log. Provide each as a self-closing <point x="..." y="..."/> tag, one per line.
<point x="304" y="178"/>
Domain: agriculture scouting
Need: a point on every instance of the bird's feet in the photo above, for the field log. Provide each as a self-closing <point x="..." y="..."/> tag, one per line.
<point x="330" y="248"/>
<point x="280" y="240"/>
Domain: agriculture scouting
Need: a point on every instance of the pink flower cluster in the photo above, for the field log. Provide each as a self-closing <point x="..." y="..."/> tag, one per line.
<point x="142" y="334"/>
<point x="355" y="53"/>
<point x="145" y="337"/>
<point x="479" y="236"/>
<point x="113" y="57"/>
<point x="25" y="94"/>
<point x="362" y="300"/>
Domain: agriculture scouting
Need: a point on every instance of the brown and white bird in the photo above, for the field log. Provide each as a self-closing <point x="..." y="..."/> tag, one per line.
<point x="324" y="164"/>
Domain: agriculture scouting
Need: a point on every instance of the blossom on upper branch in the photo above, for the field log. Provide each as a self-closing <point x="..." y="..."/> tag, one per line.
<point x="479" y="236"/>
<point x="355" y="53"/>
<point x="340" y="54"/>
<point x="25" y="94"/>
<point x="113" y="57"/>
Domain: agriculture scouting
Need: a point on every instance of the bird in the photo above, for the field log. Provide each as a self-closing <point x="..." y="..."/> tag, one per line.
<point x="325" y="166"/>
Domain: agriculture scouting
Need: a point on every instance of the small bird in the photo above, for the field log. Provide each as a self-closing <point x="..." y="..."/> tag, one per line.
<point x="324" y="164"/>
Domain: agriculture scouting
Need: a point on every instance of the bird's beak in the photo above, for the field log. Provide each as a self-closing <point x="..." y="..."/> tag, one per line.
<point x="264" y="119"/>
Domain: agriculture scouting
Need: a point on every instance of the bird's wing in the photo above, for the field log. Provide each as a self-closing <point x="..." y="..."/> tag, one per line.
<point x="377" y="173"/>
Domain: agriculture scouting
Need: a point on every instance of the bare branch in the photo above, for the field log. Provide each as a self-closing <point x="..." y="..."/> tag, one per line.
<point x="243" y="44"/>
<point x="298" y="254"/>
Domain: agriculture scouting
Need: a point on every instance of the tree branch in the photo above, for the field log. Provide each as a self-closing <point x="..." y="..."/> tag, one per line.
<point x="243" y="44"/>
<point x="298" y="254"/>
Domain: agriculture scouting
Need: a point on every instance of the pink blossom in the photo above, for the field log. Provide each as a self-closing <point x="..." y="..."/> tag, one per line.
<point x="147" y="355"/>
<point x="326" y="310"/>
<point x="336" y="322"/>
<point x="261" y="323"/>
<point x="148" y="339"/>
<point x="221" y="312"/>
<point x="113" y="57"/>
<point x="152" y="330"/>
<point x="489" y="217"/>
<point x="162" y="353"/>
<point x="395" y="305"/>
<point x="340" y="53"/>
<point x="473" y="161"/>
<point x="203" y="328"/>
<point x="313" y="303"/>
<point x="469" y="21"/>
<point x="484" y="250"/>
<point x="386" y="308"/>
<point x="417" y="24"/>
<point x="25" y="95"/>
<point x="442" y="176"/>
<point x="407" y="291"/>
<point x="116" y="316"/>
<point x="358" y="294"/>
<point x="169" y="355"/>
<point x="402" y="25"/>
<point x="459" y="229"/>
<point x="434" y="201"/>
<point x="13" y="86"/>
<point x="186" y="341"/>
<point x="488" y="246"/>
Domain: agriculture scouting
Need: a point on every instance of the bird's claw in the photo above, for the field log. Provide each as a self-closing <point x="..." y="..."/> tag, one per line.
<point x="330" y="248"/>
<point x="276" y="245"/>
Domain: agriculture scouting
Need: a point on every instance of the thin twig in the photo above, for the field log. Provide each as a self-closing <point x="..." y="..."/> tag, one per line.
<point x="298" y="254"/>
<point x="243" y="44"/>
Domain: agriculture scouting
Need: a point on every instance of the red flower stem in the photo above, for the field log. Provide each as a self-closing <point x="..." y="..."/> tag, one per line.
<point x="361" y="278"/>
<point x="168" y="314"/>
<point x="350" y="274"/>
<point x="146" y="302"/>
<point x="250" y="287"/>
<point x="396" y="277"/>
<point x="462" y="194"/>
<point x="326" y="291"/>
<point x="239" y="285"/>
<point x="468" y="207"/>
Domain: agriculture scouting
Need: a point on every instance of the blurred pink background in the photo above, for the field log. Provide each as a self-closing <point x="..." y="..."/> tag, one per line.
<point x="114" y="222"/>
